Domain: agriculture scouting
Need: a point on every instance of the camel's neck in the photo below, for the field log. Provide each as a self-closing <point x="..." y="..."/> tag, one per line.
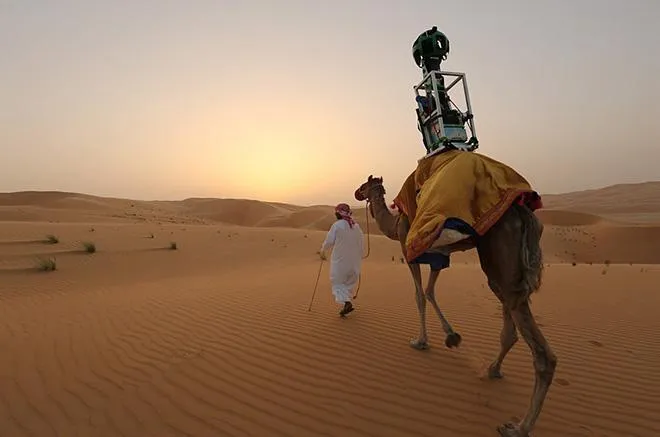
<point x="386" y="222"/>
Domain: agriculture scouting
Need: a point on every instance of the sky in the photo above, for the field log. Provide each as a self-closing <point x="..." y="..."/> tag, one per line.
<point x="299" y="101"/>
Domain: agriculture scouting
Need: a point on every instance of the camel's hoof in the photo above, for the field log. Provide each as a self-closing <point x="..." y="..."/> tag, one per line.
<point x="494" y="372"/>
<point x="453" y="340"/>
<point x="511" y="430"/>
<point x="419" y="345"/>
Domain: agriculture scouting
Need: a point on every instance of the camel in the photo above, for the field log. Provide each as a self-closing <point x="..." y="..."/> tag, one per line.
<point x="511" y="258"/>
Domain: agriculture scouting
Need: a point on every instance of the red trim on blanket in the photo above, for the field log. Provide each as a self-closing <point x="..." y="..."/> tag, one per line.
<point x="532" y="199"/>
<point x="401" y="206"/>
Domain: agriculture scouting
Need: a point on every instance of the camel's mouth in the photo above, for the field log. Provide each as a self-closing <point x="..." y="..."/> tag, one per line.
<point x="358" y="195"/>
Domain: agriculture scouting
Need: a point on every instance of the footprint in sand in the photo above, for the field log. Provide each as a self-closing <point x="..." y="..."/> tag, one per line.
<point x="596" y="343"/>
<point x="562" y="382"/>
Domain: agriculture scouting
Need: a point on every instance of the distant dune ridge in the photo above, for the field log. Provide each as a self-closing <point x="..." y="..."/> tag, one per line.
<point x="623" y="219"/>
<point x="620" y="198"/>
<point x="620" y="223"/>
<point x="633" y="200"/>
<point x="74" y="207"/>
<point x="190" y="319"/>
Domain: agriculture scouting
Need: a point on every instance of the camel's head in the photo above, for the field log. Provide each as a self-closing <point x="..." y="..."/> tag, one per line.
<point x="368" y="189"/>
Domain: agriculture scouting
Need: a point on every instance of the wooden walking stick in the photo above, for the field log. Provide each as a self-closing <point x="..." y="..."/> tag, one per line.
<point x="315" y="285"/>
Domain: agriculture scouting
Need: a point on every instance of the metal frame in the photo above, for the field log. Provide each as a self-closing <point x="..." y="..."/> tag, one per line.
<point x="459" y="77"/>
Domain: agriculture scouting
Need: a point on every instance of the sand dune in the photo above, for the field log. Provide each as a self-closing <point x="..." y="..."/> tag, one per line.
<point x="627" y="201"/>
<point x="231" y="211"/>
<point x="567" y="218"/>
<point x="214" y="338"/>
<point x="635" y="200"/>
<point x="72" y="207"/>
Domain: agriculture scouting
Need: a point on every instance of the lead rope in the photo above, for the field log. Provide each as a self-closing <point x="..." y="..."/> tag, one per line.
<point x="366" y="213"/>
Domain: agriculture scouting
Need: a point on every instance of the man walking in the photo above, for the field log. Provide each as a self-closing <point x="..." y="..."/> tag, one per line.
<point x="346" y="240"/>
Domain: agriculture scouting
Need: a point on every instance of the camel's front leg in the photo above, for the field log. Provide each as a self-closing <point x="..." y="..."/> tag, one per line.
<point x="420" y="342"/>
<point x="453" y="338"/>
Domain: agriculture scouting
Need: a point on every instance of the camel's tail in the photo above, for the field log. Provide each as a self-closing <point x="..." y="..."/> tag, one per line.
<point x="531" y="255"/>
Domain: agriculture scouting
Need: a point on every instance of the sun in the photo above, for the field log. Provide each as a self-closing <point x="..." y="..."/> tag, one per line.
<point x="280" y="155"/>
<point x="272" y="168"/>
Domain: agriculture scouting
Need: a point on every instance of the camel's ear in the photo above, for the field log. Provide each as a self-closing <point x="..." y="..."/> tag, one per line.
<point x="370" y="178"/>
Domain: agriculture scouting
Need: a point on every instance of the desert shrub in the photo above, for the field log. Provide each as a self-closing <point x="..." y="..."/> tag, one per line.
<point x="51" y="239"/>
<point x="46" y="265"/>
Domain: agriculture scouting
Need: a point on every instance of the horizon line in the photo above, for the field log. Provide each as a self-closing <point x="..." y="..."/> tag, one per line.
<point x="276" y="201"/>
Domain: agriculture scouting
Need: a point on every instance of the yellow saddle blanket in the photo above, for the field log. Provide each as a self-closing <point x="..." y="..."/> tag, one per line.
<point x="460" y="185"/>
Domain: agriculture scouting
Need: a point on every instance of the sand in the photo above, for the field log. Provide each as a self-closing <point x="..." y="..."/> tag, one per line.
<point x="214" y="338"/>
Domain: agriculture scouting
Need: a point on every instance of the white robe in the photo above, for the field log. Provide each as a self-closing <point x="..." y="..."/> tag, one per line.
<point x="346" y="260"/>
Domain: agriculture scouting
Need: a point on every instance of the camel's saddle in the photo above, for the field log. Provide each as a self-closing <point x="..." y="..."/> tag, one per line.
<point x="455" y="196"/>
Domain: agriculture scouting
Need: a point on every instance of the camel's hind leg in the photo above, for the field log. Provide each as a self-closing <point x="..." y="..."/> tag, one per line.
<point x="508" y="338"/>
<point x="545" y="363"/>
<point x="511" y="257"/>
<point x="508" y="334"/>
